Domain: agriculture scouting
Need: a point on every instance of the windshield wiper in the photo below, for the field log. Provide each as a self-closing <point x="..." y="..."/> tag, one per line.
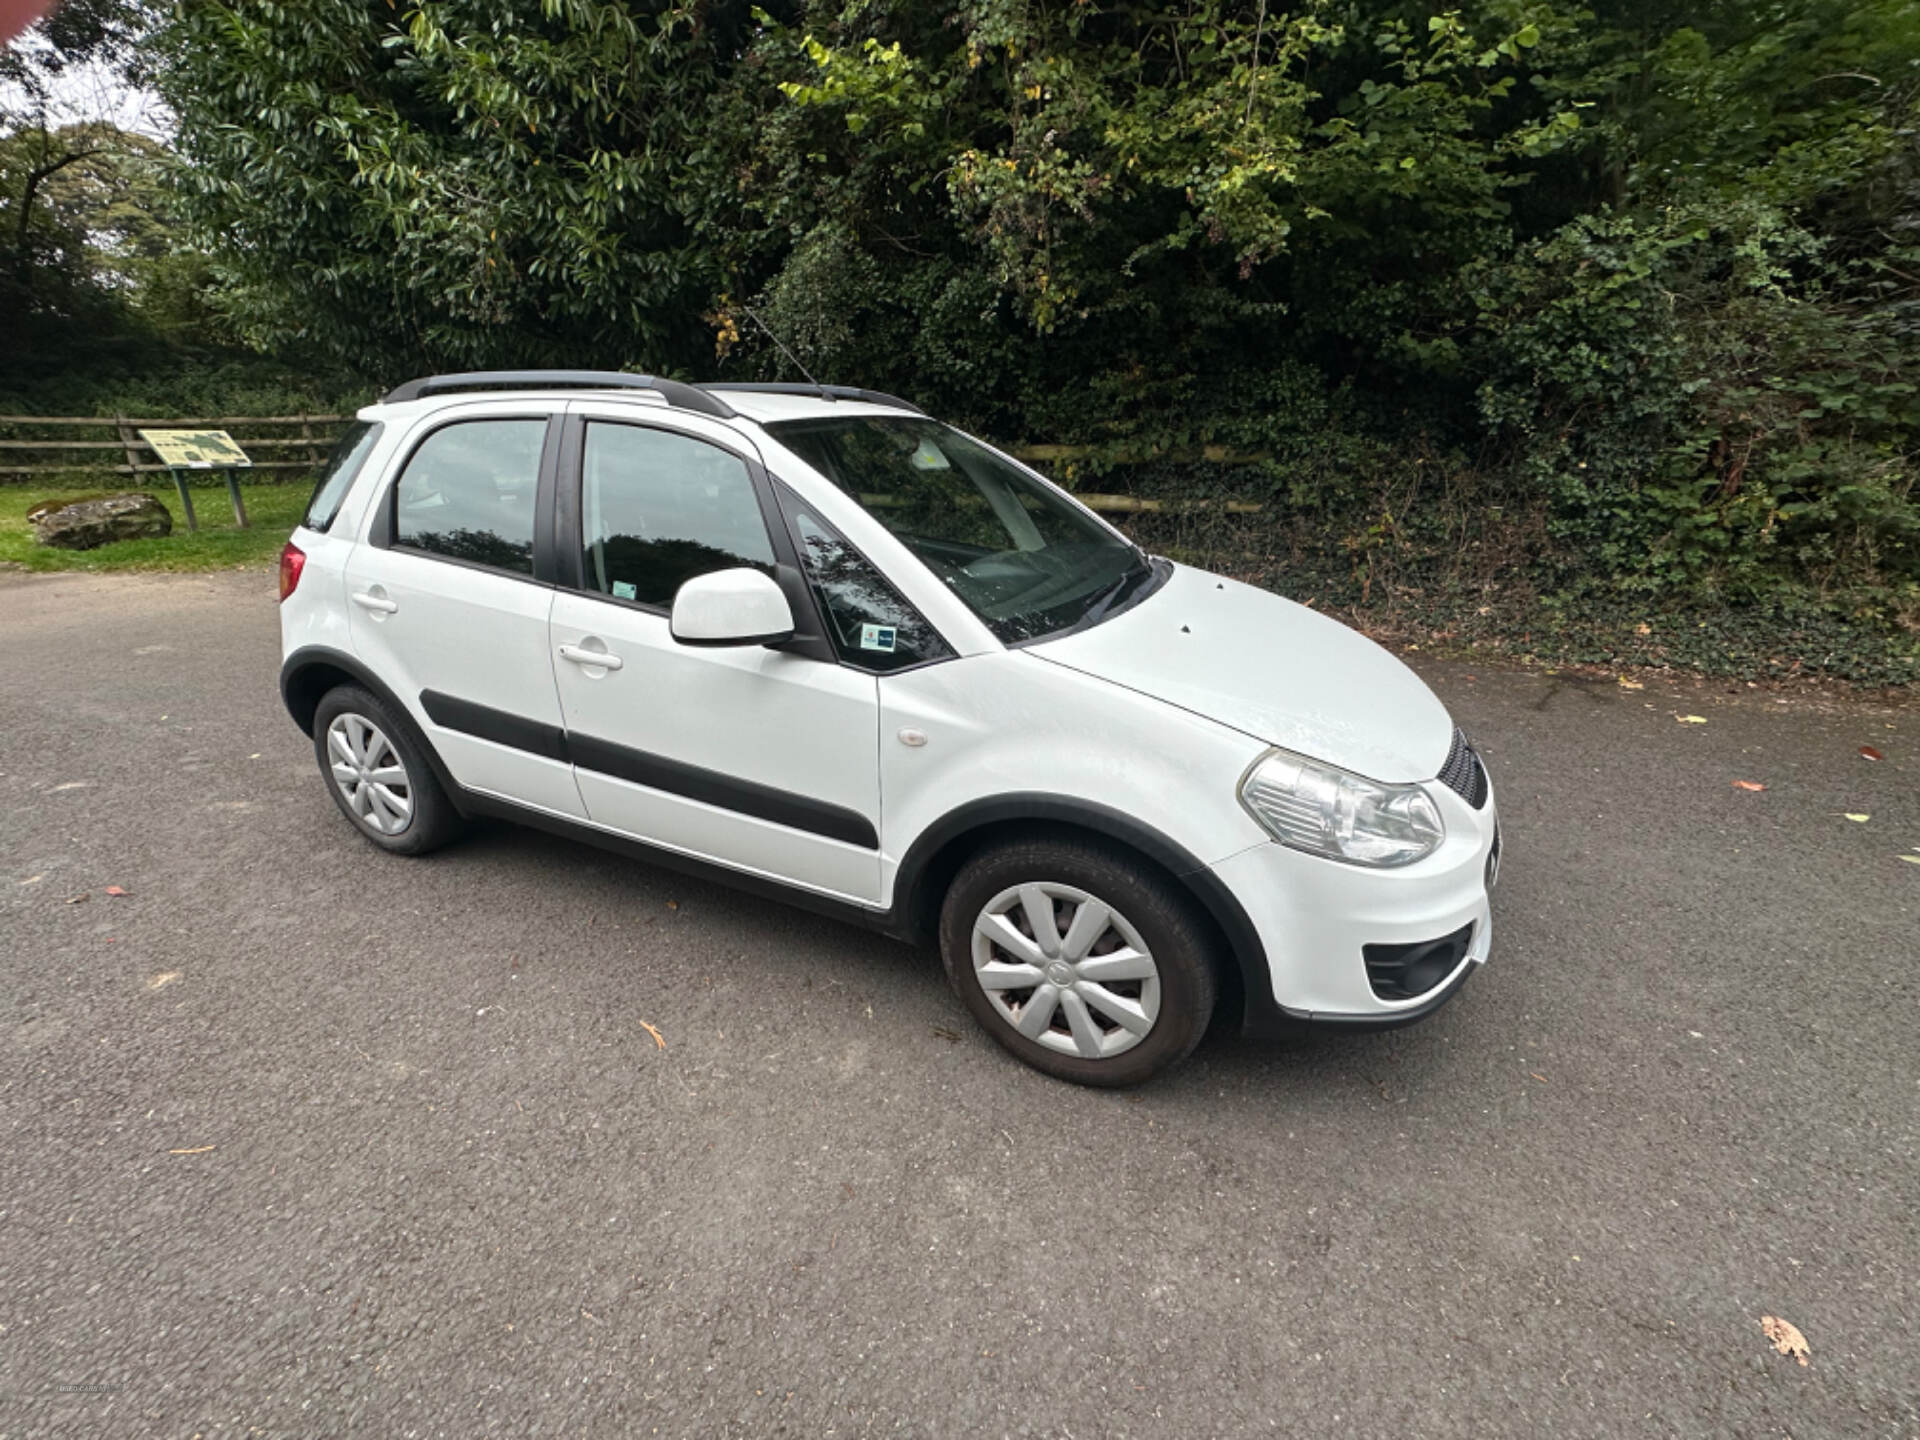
<point x="1111" y="596"/>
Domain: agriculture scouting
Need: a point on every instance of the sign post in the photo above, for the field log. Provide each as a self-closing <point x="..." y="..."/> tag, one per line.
<point x="183" y="450"/>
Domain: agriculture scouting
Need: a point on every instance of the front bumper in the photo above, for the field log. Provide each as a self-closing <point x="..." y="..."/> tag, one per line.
<point x="1314" y="917"/>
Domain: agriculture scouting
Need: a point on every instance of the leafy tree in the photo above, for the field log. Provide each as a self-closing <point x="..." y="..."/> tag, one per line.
<point x="458" y="183"/>
<point x="1644" y="281"/>
<point x="47" y="269"/>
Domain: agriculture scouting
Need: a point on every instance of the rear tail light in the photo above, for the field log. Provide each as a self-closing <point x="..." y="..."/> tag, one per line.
<point x="292" y="560"/>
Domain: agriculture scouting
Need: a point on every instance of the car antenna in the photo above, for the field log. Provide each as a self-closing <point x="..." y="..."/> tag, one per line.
<point x="755" y="316"/>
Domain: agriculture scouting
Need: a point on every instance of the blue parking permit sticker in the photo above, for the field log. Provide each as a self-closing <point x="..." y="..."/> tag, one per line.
<point x="623" y="590"/>
<point x="877" y="637"/>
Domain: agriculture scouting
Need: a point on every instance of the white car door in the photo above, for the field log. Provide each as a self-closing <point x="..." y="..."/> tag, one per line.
<point x="446" y="608"/>
<point x="764" y="760"/>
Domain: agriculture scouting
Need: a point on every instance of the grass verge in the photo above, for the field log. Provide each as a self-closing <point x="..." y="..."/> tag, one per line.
<point x="272" y="512"/>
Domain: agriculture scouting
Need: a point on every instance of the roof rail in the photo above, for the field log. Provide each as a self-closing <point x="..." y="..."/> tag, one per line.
<point x="824" y="392"/>
<point x="684" y="397"/>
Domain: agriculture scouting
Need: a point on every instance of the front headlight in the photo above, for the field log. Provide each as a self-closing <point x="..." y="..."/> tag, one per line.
<point x="1324" y="811"/>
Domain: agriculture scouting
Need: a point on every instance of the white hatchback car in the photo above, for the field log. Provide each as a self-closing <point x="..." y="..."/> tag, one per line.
<point x="807" y="640"/>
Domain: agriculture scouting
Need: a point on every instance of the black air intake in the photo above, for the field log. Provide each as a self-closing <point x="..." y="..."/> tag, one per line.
<point x="1405" y="972"/>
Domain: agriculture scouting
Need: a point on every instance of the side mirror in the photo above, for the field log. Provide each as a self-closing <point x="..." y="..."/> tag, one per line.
<point x="731" y="607"/>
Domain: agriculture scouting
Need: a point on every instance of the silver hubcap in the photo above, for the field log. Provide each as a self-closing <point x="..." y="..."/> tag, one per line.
<point x="1066" y="970"/>
<point x="368" y="771"/>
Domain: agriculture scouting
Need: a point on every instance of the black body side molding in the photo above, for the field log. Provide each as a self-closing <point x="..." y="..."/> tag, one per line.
<point x="710" y="787"/>
<point x="499" y="726"/>
<point x="656" y="772"/>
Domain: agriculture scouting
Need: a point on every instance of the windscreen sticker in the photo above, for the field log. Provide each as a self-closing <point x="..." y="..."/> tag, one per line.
<point x="877" y="637"/>
<point x="622" y="590"/>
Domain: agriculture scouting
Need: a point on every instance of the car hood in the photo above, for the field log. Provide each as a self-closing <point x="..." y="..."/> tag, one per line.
<point x="1278" y="671"/>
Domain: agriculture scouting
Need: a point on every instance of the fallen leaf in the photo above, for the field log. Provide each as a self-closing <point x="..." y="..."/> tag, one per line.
<point x="1911" y="859"/>
<point x="1538" y="1076"/>
<point x="78" y="899"/>
<point x="1748" y="785"/>
<point x="1857" y="819"/>
<point x="1643" y="628"/>
<point x="657" y="1040"/>
<point x="1626" y="684"/>
<point x="163" y="979"/>
<point x="203" y="1149"/>
<point x="1691" y="719"/>
<point x="1786" y="1337"/>
<point x="673" y="904"/>
<point x="116" y="890"/>
<point x="1867" y="752"/>
<point x="34" y="879"/>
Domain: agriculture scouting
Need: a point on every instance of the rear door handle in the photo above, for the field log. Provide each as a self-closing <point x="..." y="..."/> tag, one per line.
<point x="375" y="602"/>
<point x="600" y="659"/>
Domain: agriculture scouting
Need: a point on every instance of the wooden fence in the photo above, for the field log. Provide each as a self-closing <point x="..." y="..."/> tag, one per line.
<point x="297" y="444"/>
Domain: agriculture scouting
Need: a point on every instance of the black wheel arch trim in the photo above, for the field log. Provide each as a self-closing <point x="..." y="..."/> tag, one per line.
<point x="301" y="705"/>
<point x="914" y="906"/>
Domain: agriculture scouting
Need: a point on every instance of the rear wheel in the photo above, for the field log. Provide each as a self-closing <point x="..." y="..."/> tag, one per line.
<point x="378" y="774"/>
<point x="1078" y="959"/>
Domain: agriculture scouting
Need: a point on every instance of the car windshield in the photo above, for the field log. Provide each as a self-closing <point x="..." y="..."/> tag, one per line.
<point x="1025" y="560"/>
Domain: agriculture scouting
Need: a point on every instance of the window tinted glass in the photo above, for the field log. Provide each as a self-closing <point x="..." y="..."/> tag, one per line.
<point x="657" y="509"/>
<point x="872" y="624"/>
<point x="1027" y="560"/>
<point x="468" y="493"/>
<point x="349" y="454"/>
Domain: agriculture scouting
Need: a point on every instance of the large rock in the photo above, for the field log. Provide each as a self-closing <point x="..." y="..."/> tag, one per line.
<point x="87" y="523"/>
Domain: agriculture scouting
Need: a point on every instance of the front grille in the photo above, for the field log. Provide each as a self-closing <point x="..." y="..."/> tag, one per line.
<point x="1463" y="773"/>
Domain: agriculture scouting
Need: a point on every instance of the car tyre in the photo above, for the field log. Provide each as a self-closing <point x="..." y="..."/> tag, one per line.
<point x="378" y="774"/>
<point x="1122" y="988"/>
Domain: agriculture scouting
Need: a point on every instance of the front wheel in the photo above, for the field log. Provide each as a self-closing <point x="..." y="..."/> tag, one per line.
<point x="1078" y="959"/>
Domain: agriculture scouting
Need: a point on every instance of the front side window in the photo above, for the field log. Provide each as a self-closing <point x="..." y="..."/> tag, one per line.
<point x="468" y="493"/>
<point x="872" y="624"/>
<point x="657" y="509"/>
<point x="1027" y="561"/>
<point x="350" y="452"/>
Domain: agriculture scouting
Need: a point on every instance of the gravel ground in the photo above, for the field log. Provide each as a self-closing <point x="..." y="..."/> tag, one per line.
<point x="304" y="1140"/>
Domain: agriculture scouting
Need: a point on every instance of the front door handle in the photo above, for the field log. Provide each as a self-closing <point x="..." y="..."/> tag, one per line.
<point x="375" y="602"/>
<point x="599" y="659"/>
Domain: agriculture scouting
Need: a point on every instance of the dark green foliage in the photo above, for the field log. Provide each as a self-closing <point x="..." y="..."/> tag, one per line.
<point x="1514" y="303"/>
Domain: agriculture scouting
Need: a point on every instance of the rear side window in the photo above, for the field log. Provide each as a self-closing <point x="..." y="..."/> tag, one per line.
<point x="349" y="454"/>
<point x="468" y="493"/>
<point x="872" y="624"/>
<point x="657" y="509"/>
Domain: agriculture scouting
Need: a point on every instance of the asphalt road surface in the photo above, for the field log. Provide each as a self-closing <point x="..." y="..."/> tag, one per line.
<point x="299" y="1139"/>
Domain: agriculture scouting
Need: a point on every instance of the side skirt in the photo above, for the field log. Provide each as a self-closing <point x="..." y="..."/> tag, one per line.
<point x="473" y="803"/>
